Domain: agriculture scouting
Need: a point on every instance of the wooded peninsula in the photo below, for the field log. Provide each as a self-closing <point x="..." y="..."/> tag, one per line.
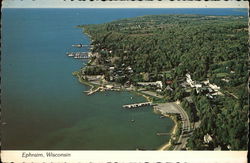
<point x="196" y="59"/>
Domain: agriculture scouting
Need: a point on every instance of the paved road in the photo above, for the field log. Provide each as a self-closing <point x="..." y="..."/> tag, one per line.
<point x="186" y="128"/>
<point x="173" y="107"/>
<point x="152" y="94"/>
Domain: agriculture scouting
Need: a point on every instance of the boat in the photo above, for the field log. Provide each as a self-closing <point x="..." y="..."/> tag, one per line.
<point x="71" y="55"/>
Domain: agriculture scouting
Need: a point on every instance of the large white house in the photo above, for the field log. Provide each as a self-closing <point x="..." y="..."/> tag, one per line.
<point x="190" y="81"/>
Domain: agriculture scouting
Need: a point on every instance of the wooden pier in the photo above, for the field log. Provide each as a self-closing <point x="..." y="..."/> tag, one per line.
<point x="131" y="106"/>
<point x="79" y="55"/>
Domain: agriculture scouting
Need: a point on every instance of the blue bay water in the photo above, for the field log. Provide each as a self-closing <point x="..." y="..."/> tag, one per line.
<point x="44" y="106"/>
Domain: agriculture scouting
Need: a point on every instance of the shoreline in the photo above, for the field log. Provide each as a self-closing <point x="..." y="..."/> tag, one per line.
<point x="76" y="73"/>
<point x="172" y="132"/>
<point x="148" y="98"/>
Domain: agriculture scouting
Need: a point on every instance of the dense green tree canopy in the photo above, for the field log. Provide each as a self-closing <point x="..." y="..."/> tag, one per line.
<point x="166" y="47"/>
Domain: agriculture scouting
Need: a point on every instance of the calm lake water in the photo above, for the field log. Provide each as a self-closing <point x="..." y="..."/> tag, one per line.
<point x="43" y="105"/>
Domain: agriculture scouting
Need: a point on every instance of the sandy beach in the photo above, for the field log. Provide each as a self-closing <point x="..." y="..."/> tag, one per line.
<point x="173" y="132"/>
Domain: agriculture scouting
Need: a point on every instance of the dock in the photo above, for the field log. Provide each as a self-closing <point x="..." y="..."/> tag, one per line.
<point x="79" y="55"/>
<point x="162" y="134"/>
<point x="80" y="45"/>
<point x="131" y="106"/>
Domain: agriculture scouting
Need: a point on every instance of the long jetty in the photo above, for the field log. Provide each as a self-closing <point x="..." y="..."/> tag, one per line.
<point x="131" y="106"/>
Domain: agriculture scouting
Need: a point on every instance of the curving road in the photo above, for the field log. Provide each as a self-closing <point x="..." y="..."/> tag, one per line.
<point x="186" y="128"/>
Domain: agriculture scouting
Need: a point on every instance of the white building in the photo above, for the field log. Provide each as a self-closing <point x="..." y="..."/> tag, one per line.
<point x="207" y="138"/>
<point x="109" y="86"/>
<point x="111" y="68"/>
<point x="214" y="87"/>
<point x="190" y="81"/>
<point x="206" y="82"/>
<point x="159" y="84"/>
<point x="198" y="87"/>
